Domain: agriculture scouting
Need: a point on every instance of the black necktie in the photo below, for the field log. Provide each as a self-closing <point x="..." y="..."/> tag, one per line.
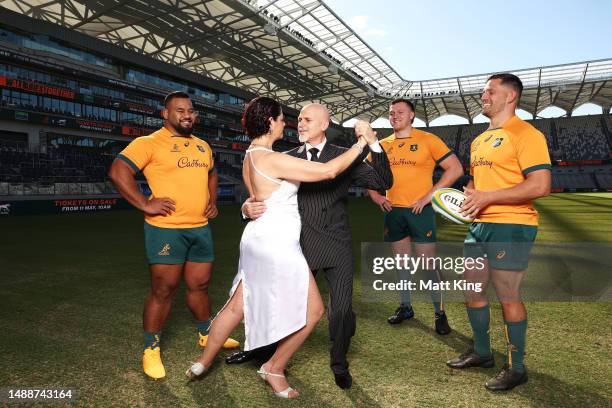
<point x="313" y="154"/>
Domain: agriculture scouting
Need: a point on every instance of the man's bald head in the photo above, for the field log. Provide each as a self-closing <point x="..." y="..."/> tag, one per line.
<point x="312" y="123"/>
<point x="317" y="109"/>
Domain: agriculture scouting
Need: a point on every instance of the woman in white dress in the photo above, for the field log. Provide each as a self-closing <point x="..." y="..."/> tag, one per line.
<point x="274" y="291"/>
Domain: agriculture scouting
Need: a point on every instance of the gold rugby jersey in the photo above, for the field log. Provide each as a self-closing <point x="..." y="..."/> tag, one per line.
<point x="176" y="167"/>
<point x="412" y="161"/>
<point x="502" y="158"/>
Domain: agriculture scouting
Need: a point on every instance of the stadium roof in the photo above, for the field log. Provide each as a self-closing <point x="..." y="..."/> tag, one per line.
<point x="300" y="51"/>
<point x="565" y="86"/>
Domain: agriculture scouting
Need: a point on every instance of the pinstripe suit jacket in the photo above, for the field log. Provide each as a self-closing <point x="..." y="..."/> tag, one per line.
<point x="325" y="237"/>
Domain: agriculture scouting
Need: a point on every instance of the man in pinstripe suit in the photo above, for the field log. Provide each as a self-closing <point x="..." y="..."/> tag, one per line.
<point x="325" y="236"/>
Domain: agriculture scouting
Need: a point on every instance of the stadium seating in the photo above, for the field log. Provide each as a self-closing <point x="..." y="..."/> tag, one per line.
<point x="582" y="138"/>
<point x="234" y="172"/>
<point x="544" y="126"/>
<point x="468" y="134"/>
<point x="67" y="168"/>
<point x="574" y="177"/>
<point x="608" y="120"/>
<point x="569" y="139"/>
<point x="448" y="134"/>
<point x="602" y="176"/>
<point x="72" y="164"/>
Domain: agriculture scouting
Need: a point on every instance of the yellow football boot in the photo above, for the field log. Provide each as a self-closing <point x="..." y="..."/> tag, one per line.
<point x="229" y="343"/>
<point x="152" y="364"/>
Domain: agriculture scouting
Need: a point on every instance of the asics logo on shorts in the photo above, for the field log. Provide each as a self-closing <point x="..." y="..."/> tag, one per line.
<point x="165" y="251"/>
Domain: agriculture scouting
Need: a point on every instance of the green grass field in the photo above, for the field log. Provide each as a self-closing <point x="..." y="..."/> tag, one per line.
<point x="73" y="288"/>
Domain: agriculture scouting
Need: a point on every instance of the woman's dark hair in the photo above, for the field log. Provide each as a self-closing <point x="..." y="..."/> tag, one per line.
<point x="257" y="114"/>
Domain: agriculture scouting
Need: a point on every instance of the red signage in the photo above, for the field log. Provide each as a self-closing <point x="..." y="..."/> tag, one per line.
<point x="579" y="162"/>
<point x="135" y="132"/>
<point x="134" y="107"/>
<point x="35" y="87"/>
<point x="95" y="126"/>
<point x="239" y="146"/>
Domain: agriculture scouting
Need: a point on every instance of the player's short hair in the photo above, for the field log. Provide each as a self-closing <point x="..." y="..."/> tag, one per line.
<point x="407" y="102"/>
<point x="256" y="117"/>
<point x="509" y="79"/>
<point x="175" y="95"/>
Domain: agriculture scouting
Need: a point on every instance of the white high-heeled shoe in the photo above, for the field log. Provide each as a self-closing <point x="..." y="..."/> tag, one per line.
<point x="196" y="370"/>
<point x="281" y="394"/>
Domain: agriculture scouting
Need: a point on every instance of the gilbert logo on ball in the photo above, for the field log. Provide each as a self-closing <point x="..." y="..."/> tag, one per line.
<point x="447" y="202"/>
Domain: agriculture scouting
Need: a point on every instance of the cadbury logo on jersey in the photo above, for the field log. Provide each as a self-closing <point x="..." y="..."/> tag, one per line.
<point x="481" y="161"/>
<point x="401" y="162"/>
<point x="184" y="162"/>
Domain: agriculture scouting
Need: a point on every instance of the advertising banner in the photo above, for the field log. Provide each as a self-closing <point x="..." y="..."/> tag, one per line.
<point x="61" y="206"/>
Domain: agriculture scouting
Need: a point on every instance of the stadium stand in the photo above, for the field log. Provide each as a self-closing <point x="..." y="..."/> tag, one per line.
<point x="573" y="178"/>
<point x="61" y="170"/>
<point x="582" y="138"/>
<point x="569" y="139"/>
<point x="63" y="120"/>
<point x="67" y="109"/>
<point x="544" y="126"/>
<point x="449" y="134"/>
<point x="468" y="134"/>
<point x="603" y="177"/>
<point x="578" y="146"/>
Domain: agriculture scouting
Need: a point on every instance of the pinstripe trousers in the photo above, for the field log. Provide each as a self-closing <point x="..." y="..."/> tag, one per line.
<point x="342" y="321"/>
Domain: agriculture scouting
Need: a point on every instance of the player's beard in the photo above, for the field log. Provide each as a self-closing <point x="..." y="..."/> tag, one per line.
<point x="302" y="138"/>
<point x="184" y="130"/>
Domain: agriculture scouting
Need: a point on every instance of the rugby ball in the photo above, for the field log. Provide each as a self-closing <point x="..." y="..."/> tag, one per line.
<point x="447" y="202"/>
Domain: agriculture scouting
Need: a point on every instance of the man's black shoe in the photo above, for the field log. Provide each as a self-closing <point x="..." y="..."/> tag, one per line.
<point x="506" y="380"/>
<point x="442" y="327"/>
<point x="401" y="313"/>
<point x="239" y="357"/>
<point x="344" y="380"/>
<point x="471" y="359"/>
